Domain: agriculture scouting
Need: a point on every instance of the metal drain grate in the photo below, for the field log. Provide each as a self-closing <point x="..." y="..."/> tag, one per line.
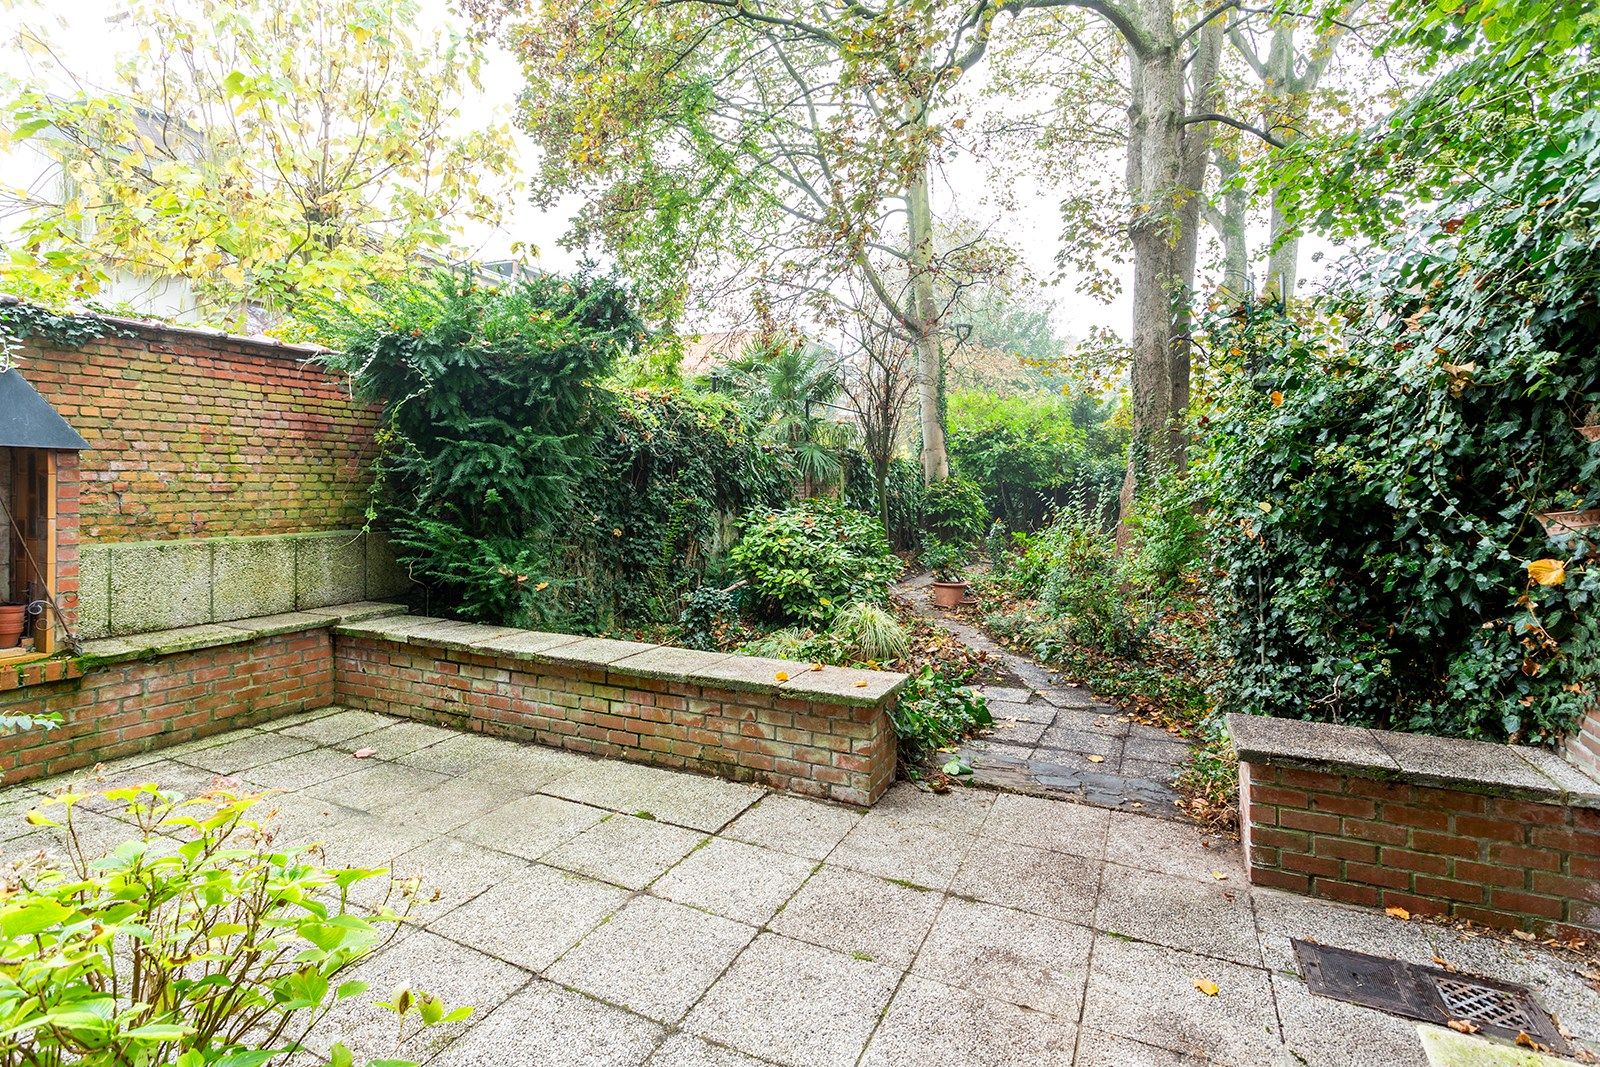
<point x="1483" y="1005"/>
<point x="1428" y="994"/>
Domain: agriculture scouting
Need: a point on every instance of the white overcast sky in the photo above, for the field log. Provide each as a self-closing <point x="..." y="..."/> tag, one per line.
<point x="90" y="38"/>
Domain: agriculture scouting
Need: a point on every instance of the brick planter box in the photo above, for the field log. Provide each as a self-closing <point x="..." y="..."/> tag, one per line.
<point x="1498" y="834"/>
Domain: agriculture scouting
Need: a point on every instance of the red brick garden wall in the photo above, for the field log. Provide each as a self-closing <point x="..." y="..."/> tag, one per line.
<point x="116" y="710"/>
<point x="198" y="435"/>
<point x="1506" y="862"/>
<point x="834" y="751"/>
<point x="1583" y="747"/>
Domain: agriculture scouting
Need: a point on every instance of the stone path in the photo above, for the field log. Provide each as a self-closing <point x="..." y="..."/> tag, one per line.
<point x="1054" y="739"/>
<point x="605" y="914"/>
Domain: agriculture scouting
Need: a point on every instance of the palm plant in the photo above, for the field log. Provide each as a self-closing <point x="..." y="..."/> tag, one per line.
<point x="787" y="387"/>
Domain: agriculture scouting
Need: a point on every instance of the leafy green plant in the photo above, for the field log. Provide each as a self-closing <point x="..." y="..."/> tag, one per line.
<point x="934" y="712"/>
<point x="946" y="559"/>
<point x="710" y="617"/>
<point x="223" y="950"/>
<point x="953" y="510"/>
<point x="868" y="633"/>
<point x="807" y="561"/>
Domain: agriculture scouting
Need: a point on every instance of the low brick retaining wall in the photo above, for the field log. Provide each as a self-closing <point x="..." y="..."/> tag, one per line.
<point x="1499" y="834"/>
<point x="132" y="704"/>
<point x="824" y="733"/>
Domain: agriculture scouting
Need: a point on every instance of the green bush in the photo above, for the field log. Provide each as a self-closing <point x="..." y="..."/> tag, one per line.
<point x="710" y="617"/>
<point x="1034" y="452"/>
<point x="224" y="950"/>
<point x="953" y="511"/>
<point x="934" y="712"/>
<point x="806" y="561"/>
<point x="945" y="559"/>
<point x="903" y="488"/>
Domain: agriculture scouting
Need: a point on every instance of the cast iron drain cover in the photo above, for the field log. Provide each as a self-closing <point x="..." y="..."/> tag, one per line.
<point x="1428" y="994"/>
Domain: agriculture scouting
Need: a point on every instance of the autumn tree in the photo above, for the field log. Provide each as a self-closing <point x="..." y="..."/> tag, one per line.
<point x="766" y="152"/>
<point x="267" y="151"/>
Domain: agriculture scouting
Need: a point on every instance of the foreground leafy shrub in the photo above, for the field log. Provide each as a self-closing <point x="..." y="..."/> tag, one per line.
<point x="806" y="561"/>
<point x="934" y="712"/>
<point x="953" y="510"/>
<point x="224" y="950"/>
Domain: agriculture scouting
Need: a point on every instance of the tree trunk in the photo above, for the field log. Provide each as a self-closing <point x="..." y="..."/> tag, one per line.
<point x="1283" y="117"/>
<point x="1231" y="221"/>
<point x="930" y="356"/>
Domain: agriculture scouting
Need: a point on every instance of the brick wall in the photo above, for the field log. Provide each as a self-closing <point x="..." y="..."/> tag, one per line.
<point x="1493" y="859"/>
<point x="829" y="750"/>
<point x="198" y="435"/>
<point x="1582" y="749"/>
<point x="117" y="710"/>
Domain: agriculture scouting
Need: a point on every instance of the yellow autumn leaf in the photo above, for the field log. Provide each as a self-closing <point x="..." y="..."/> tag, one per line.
<point x="1096" y="759"/>
<point x="1206" y="986"/>
<point x="1219" y="876"/>
<point x="816" y="666"/>
<point x="862" y="684"/>
<point x="1277" y="398"/>
<point x="1547" y="571"/>
<point x="1397" y="913"/>
<point x="782" y="676"/>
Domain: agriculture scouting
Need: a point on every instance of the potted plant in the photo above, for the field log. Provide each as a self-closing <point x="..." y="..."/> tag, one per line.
<point x="946" y="561"/>
<point x="12" y="618"/>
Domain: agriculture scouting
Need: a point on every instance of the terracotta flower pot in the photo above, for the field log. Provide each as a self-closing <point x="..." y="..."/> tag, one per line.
<point x="12" y="616"/>
<point x="949" y="594"/>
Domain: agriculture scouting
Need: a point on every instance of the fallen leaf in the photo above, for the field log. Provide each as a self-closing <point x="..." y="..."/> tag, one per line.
<point x="1462" y="1026"/>
<point x="365" y="753"/>
<point x="1527" y="1042"/>
<point x="1097" y="759"/>
<point x="861" y="684"/>
<point x="782" y="676"/>
<point x="1523" y="935"/>
<point x="1547" y="571"/>
<point x="816" y="666"/>
<point x="1219" y="876"/>
<point x="1440" y="961"/>
<point x="1277" y="398"/>
<point x="1206" y="986"/>
<point x="1397" y="913"/>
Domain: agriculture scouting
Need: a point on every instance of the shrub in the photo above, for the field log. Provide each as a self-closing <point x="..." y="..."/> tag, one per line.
<point x="709" y="619"/>
<point x="953" y="511"/>
<point x="903" y="487"/>
<point x="1032" y="452"/>
<point x="224" y="950"/>
<point x="867" y="633"/>
<point x="806" y="561"/>
<point x="935" y="712"/>
<point x="945" y="559"/>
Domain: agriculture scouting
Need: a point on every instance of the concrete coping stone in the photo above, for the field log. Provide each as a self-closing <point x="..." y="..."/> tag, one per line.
<point x="624" y="659"/>
<point x="356" y="612"/>
<point x="111" y="650"/>
<point x="1516" y="771"/>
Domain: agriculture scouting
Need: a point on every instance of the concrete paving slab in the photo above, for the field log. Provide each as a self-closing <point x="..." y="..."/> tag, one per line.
<point x="1147" y="993"/>
<point x="929" y="1022"/>
<point x="653" y="957"/>
<point x="327" y="729"/>
<point x="1171" y="847"/>
<point x="315" y="767"/>
<point x="735" y="880"/>
<point x="789" y="824"/>
<point x="1210" y="919"/>
<point x="369" y="1031"/>
<point x="363" y="840"/>
<point x="491" y="759"/>
<point x="859" y="915"/>
<point x="169" y="775"/>
<point x="242" y="753"/>
<point x="794" y="1003"/>
<point x="958" y="811"/>
<point x="1019" y="732"/>
<point x="686" y="1050"/>
<point x="1281" y="916"/>
<point x="903" y="852"/>
<point x="449" y="873"/>
<point x="1008" y="956"/>
<point x="397" y="739"/>
<point x="1096" y="1048"/>
<point x="696" y="801"/>
<point x="529" y="827"/>
<point x="1005" y="694"/>
<point x="451" y="804"/>
<point x="377" y="785"/>
<point x="547" y="1026"/>
<point x="532" y="919"/>
<point x="1042" y="714"/>
<point x="625" y="850"/>
<point x="1077" y="829"/>
<point x="1082" y="740"/>
<point x="1052" y="884"/>
<point x="1070" y="696"/>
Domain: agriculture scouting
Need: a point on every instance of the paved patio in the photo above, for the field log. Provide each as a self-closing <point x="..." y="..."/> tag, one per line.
<point x="603" y="913"/>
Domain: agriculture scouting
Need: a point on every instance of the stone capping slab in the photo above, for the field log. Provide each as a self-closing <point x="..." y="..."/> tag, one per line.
<point x="624" y="659"/>
<point x="111" y="650"/>
<point x="1514" y="771"/>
